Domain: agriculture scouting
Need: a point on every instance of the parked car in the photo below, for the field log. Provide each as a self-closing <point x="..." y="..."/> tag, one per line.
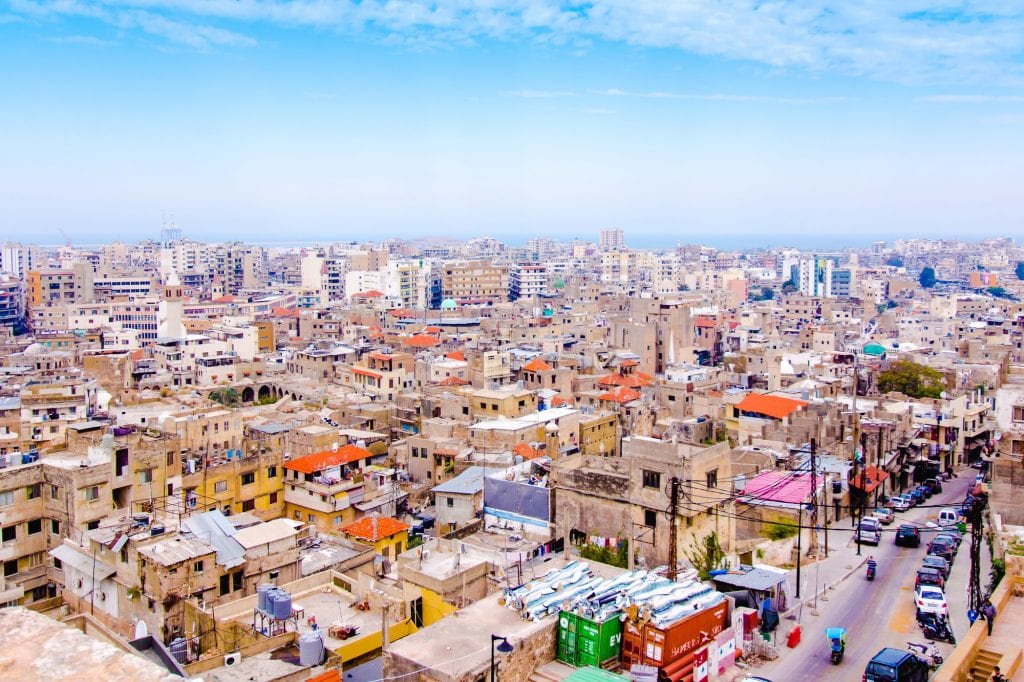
<point x="916" y="497"/>
<point x="954" y="536"/>
<point x="896" y="665"/>
<point x="908" y="536"/>
<point x="930" y="599"/>
<point x="869" y="531"/>
<point x="899" y="503"/>
<point x="929" y="576"/>
<point x="942" y="547"/>
<point x="938" y="563"/>
<point x="926" y="490"/>
<point x="884" y="514"/>
<point x="935" y="484"/>
<point x="949" y="517"/>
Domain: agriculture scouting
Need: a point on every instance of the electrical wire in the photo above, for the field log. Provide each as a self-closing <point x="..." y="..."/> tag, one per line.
<point x="431" y="667"/>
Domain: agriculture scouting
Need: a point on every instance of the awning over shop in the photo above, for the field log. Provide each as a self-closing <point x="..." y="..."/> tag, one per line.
<point x="869" y="479"/>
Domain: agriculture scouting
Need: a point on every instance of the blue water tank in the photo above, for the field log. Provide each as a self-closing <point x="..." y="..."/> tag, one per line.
<point x="282" y="605"/>
<point x="311" y="648"/>
<point x="29" y="457"/>
<point x="261" y="596"/>
<point x="179" y="649"/>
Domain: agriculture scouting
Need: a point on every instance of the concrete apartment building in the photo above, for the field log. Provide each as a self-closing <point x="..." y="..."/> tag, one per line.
<point x="474" y="282"/>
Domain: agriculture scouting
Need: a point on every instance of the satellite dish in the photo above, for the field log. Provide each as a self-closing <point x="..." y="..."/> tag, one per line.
<point x="141" y="630"/>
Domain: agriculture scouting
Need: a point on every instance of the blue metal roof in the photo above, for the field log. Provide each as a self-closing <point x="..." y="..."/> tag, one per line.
<point x="214" y="528"/>
<point x="468" y="482"/>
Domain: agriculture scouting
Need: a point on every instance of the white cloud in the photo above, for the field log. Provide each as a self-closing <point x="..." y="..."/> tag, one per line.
<point x="909" y="41"/>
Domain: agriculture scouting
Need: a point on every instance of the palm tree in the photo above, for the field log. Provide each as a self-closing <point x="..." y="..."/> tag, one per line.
<point x="228" y="397"/>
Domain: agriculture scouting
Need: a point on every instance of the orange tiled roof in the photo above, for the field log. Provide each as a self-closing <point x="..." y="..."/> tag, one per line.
<point x="456" y="355"/>
<point x="527" y="452"/>
<point x="331" y="675"/>
<point x="431" y="330"/>
<point x="374" y="528"/>
<point x="453" y="381"/>
<point x="400" y="312"/>
<point x="622" y="395"/>
<point x="366" y="372"/>
<point x="629" y="363"/>
<point x="318" y="461"/>
<point x="705" y="321"/>
<point x="558" y="401"/>
<point x="637" y="380"/>
<point x="421" y="341"/>
<point x="770" y="405"/>
<point x="281" y="311"/>
<point x="372" y="293"/>
<point x="536" y="365"/>
<point x="377" y="355"/>
<point x="224" y="299"/>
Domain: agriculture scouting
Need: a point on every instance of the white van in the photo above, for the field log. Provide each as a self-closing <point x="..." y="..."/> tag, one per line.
<point x="948" y="517"/>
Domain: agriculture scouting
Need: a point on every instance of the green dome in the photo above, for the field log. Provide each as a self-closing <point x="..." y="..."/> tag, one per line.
<point x="874" y="349"/>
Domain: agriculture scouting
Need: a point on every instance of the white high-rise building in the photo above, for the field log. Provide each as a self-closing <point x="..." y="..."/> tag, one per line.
<point x="816" y="277"/>
<point x="17" y="259"/>
<point x="612" y="240"/>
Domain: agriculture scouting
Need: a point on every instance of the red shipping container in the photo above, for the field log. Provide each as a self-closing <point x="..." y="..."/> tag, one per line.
<point x="671" y="650"/>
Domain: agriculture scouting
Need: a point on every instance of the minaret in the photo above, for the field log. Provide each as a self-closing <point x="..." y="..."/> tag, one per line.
<point x="217" y="287"/>
<point x="169" y="315"/>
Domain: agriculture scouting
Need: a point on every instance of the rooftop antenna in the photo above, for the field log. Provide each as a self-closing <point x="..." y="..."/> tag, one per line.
<point x="169" y="231"/>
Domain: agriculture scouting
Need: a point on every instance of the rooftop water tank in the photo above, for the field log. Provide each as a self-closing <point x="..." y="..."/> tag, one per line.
<point x="311" y="648"/>
<point x="282" y="604"/>
<point x="261" y="596"/>
<point x="179" y="649"/>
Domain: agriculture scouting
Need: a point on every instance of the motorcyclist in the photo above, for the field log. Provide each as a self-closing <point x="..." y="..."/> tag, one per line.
<point x="872" y="565"/>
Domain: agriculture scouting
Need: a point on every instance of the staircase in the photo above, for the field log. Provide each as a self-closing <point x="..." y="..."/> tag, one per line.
<point x="984" y="662"/>
<point x="551" y="672"/>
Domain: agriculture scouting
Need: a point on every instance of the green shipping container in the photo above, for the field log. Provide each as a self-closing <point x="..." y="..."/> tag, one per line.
<point x="583" y="642"/>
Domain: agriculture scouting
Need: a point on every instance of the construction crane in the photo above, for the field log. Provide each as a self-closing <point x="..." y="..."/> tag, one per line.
<point x="67" y="239"/>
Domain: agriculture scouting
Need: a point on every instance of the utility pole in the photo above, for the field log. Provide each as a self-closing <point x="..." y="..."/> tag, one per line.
<point x="799" y="548"/>
<point x="974" y="586"/>
<point x="812" y="549"/>
<point x="673" y="559"/>
<point x="856" y="437"/>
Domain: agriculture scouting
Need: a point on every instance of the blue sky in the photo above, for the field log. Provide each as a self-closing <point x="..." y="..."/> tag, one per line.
<point x="705" y="120"/>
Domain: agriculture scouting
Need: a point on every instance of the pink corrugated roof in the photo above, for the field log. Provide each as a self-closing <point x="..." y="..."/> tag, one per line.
<point x="779" y="486"/>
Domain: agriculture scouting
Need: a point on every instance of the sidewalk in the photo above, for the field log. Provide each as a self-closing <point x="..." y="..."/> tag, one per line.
<point x="818" y="577"/>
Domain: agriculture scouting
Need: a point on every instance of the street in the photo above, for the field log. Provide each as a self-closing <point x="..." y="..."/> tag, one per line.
<point x="880" y="613"/>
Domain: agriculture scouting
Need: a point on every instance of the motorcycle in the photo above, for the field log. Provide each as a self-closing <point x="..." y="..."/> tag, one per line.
<point x="872" y="566"/>
<point x="935" y="627"/>
<point x="837" y="642"/>
<point x="929" y="654"/>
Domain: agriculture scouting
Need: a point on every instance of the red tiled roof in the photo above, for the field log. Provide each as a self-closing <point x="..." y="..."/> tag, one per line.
<point x="558" y="401"/>
<point x="400" y="312"/>
<point x="769" y="405"/>
<point x="421" y="341"/>
<point x="366" y="372"/>
<point x="332" y="675"/>
<point x="431" y="330"/>
<point x="869" y="479"/>
<point x="704" y="321"/>
<point x="453" y="381"/>
<point x="280" y="311"/>
<point x="456" y="355"/>
<point x="377" y="355"/>
<point x="372" y="293"/>
<point x="621" y="395"/>
<point x="224" y="299"/>
<point x="374" y="528"/>
<point x="536" y="365"/>
<point x="318" y="461"/>
<point x="527" y="452"/>
<point x="629" y="363"/>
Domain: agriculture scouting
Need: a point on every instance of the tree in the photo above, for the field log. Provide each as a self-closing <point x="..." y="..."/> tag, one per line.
<point x="706" y="555"/>
<point x="1019" y="270"/>
<point x="912" y="379"/>
<point x="894" y="261"/>
<point x="927" y="277"/>
<point x="789" y="287"/>
<point x="998" y="292"/>
<point x="767" y="293"/>
<point x="228" y="397"/>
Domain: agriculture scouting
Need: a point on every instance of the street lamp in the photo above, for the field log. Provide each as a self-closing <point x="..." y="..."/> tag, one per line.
<point x="504" y="647"/>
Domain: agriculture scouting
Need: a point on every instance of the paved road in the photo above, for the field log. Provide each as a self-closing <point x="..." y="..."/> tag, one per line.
<point x="879" y="613"/>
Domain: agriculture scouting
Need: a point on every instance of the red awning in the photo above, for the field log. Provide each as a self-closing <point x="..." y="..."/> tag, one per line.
<point x="870" y="479"/>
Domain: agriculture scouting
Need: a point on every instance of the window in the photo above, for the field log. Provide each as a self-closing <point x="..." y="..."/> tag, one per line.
<point x="312" y="519"/>
<point x="9" y="534"/>
<point x="1017" y="447"/>
<point x="225" y="584"/>
<point x="652" y="479"/>
<point x="450" y="501"/>
<point x="650" y="518"/>
<point x="1018" y="413"/>
<point x="483" y="406"/>
<point x="712" y="477"/>
<point x="35" y="526"/>
<point x="33" y="491"/>
<point x="92" y="525"/>
<point x="236" y="581"/>
<point x="92" y="493"/>
<point x="146" y="476"/>
<point x="273" y="498"/>
<point x="54" y="492"/>
<point x="337" y="520"/>
<point x="197" y="567"/>
<point x="220" y="486"/>
<point x="248" y="505"/>
<point x="124" y="555"/>
<point x="6" y="498"/>
<point x="249" y="478"/>
<point x="271" y="472"/>
<point x="10" y="568"/>
<point x="55" y="526"/>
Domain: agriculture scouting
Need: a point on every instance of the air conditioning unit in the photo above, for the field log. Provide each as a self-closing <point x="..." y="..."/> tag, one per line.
<point x="232" y="659"/>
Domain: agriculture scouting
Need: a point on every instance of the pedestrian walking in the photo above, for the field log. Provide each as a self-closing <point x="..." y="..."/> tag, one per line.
<point x="972" y="615"/>
<point x="997" y="676"/>
<point x="989" y="611"/>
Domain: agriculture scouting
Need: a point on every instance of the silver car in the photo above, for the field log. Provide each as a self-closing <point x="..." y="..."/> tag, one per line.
<point x="899" y="503"/>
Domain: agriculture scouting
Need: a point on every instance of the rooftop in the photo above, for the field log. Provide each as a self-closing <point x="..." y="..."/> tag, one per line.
<point x="318" y="461"/>
<point x="374" y="528"/>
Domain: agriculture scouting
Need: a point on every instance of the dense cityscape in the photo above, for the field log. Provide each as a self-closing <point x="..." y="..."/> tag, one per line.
<point x="355" y="460"/>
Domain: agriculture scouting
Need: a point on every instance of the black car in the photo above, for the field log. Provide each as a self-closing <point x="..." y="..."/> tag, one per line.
<point x="929" y="576"/>
<point x="926" y="490"/>
<point x="942" y="547"/>
<point x="908" y="536"/>
<point x="938" y="563"/>
<point x="935" y="484"/>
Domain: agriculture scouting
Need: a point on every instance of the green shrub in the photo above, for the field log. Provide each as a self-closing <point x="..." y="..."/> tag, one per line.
<point x="778" y="531"/>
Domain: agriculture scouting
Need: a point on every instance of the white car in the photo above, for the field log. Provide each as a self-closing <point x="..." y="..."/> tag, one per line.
<point x="884" y="515"/>
<point x="930" y="599"/>
<point x="899" y="503"/>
